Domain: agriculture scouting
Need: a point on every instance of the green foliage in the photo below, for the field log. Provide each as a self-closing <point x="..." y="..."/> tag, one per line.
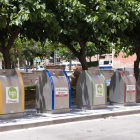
<point x="30" y="87"/>
<point x="126" y="20"/>
<point x="29" y="49"/>
<point x="63" y="53"/>
<point x="91" y="50"/>
<point x="105" y="23"/>
<point x="83" y="21"/>
<point x="35" y="49"/>
<point x="22" y="17"/>
<point x="124" y="17"/>
<point x="1" y="56"/>
<point x="99" y="48"/>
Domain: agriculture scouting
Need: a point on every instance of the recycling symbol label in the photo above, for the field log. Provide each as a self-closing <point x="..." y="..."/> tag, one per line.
<point x="99" y="90"/>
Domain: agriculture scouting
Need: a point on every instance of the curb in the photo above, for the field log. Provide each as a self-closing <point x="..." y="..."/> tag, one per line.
<point x="65" y="120"/>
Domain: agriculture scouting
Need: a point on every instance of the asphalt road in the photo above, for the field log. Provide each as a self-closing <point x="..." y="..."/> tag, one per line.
<point x="112" y="128"/>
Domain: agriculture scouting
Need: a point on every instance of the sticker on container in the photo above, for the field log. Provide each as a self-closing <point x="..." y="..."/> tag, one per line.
<point x="12" y="95"/>
<point x="61" y="92"/>
<point x="99" y="90"/>
<point x="130" y="88"/>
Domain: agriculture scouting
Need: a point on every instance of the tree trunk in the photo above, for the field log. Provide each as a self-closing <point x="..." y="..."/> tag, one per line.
<point x="6" y="56"/>
<point x="31" y="62"/>
<point x="83" y="61"/>
<point x="136" y="64"/>
<point x="5" y="48"/>
<point x="81" y="56"/>
<point x="90" y="59"/>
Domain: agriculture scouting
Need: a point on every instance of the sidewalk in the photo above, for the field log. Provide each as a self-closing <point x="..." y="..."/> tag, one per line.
<point x="33" y="119"/>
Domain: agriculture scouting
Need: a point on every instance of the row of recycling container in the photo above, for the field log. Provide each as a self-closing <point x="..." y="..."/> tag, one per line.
<point x="53" y="91"/>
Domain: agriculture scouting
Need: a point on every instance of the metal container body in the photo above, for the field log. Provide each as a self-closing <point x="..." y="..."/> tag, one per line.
<point x="11" y="81"/>
<point x="8" y="72"/>
<point x="11" y="94"/>
<point x="84" y="90"/>
<point x="60" y="101"/>
<point x="53" y="92"/>
<point x="116" y="89"/>
<point x="138" y="90"/>
<point x="130" y="93"/>
<point x="123" y="88"/>
<point x="91" y="90"/>
<point x="43" y="92"/>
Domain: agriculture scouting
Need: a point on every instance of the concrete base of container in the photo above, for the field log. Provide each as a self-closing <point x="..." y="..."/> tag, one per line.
<point x="65" y="110"/>
<point x="91" y="107"/>
<point x="129" y="104"/>
<point x="124" y="104"/>
<point x="11" y="115"/>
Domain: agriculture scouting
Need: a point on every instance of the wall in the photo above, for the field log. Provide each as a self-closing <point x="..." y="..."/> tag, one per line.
<point x="107" y="72"/>
<point x="120" y="61"/>
<point x="29" y="78"/>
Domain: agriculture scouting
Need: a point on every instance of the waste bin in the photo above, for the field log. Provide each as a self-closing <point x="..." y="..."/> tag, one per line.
<point x="138" y="89"/>
<point x="11" y="94"/>
<point x="91" y="90"/>
<point x="53" y="92"/>
<point x="123" y="88"/>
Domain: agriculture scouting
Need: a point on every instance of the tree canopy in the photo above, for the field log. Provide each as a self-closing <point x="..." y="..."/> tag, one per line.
<point x="114" y="22"/>
<point x="102" y="22"/>
<point x="17" y="17"/>
<point x="77" y="21"/>
<point x="90" y="50"/>
<point x="127" y="33"/>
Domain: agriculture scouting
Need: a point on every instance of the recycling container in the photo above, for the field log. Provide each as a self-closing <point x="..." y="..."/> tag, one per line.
<point x="91" y="90"/>
<point x="138" y="90"/>
<point x="53" y="92"/>
<point x="123" y="88"/>
<point x="11" y="94"/>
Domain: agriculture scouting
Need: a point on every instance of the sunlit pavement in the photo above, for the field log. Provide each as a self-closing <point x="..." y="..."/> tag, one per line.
<point x="33" y="119"/>
<point x="109" y="128"/>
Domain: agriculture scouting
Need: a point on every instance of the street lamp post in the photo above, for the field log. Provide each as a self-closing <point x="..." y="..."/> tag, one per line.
<point x="33" y="64"/>
<point x="55" y="57"/>
<point x="14" y="64"/>
<point x="36" y="64"/>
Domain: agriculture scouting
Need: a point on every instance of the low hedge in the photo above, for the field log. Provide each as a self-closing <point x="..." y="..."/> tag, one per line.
<point x="93" y="64"/>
